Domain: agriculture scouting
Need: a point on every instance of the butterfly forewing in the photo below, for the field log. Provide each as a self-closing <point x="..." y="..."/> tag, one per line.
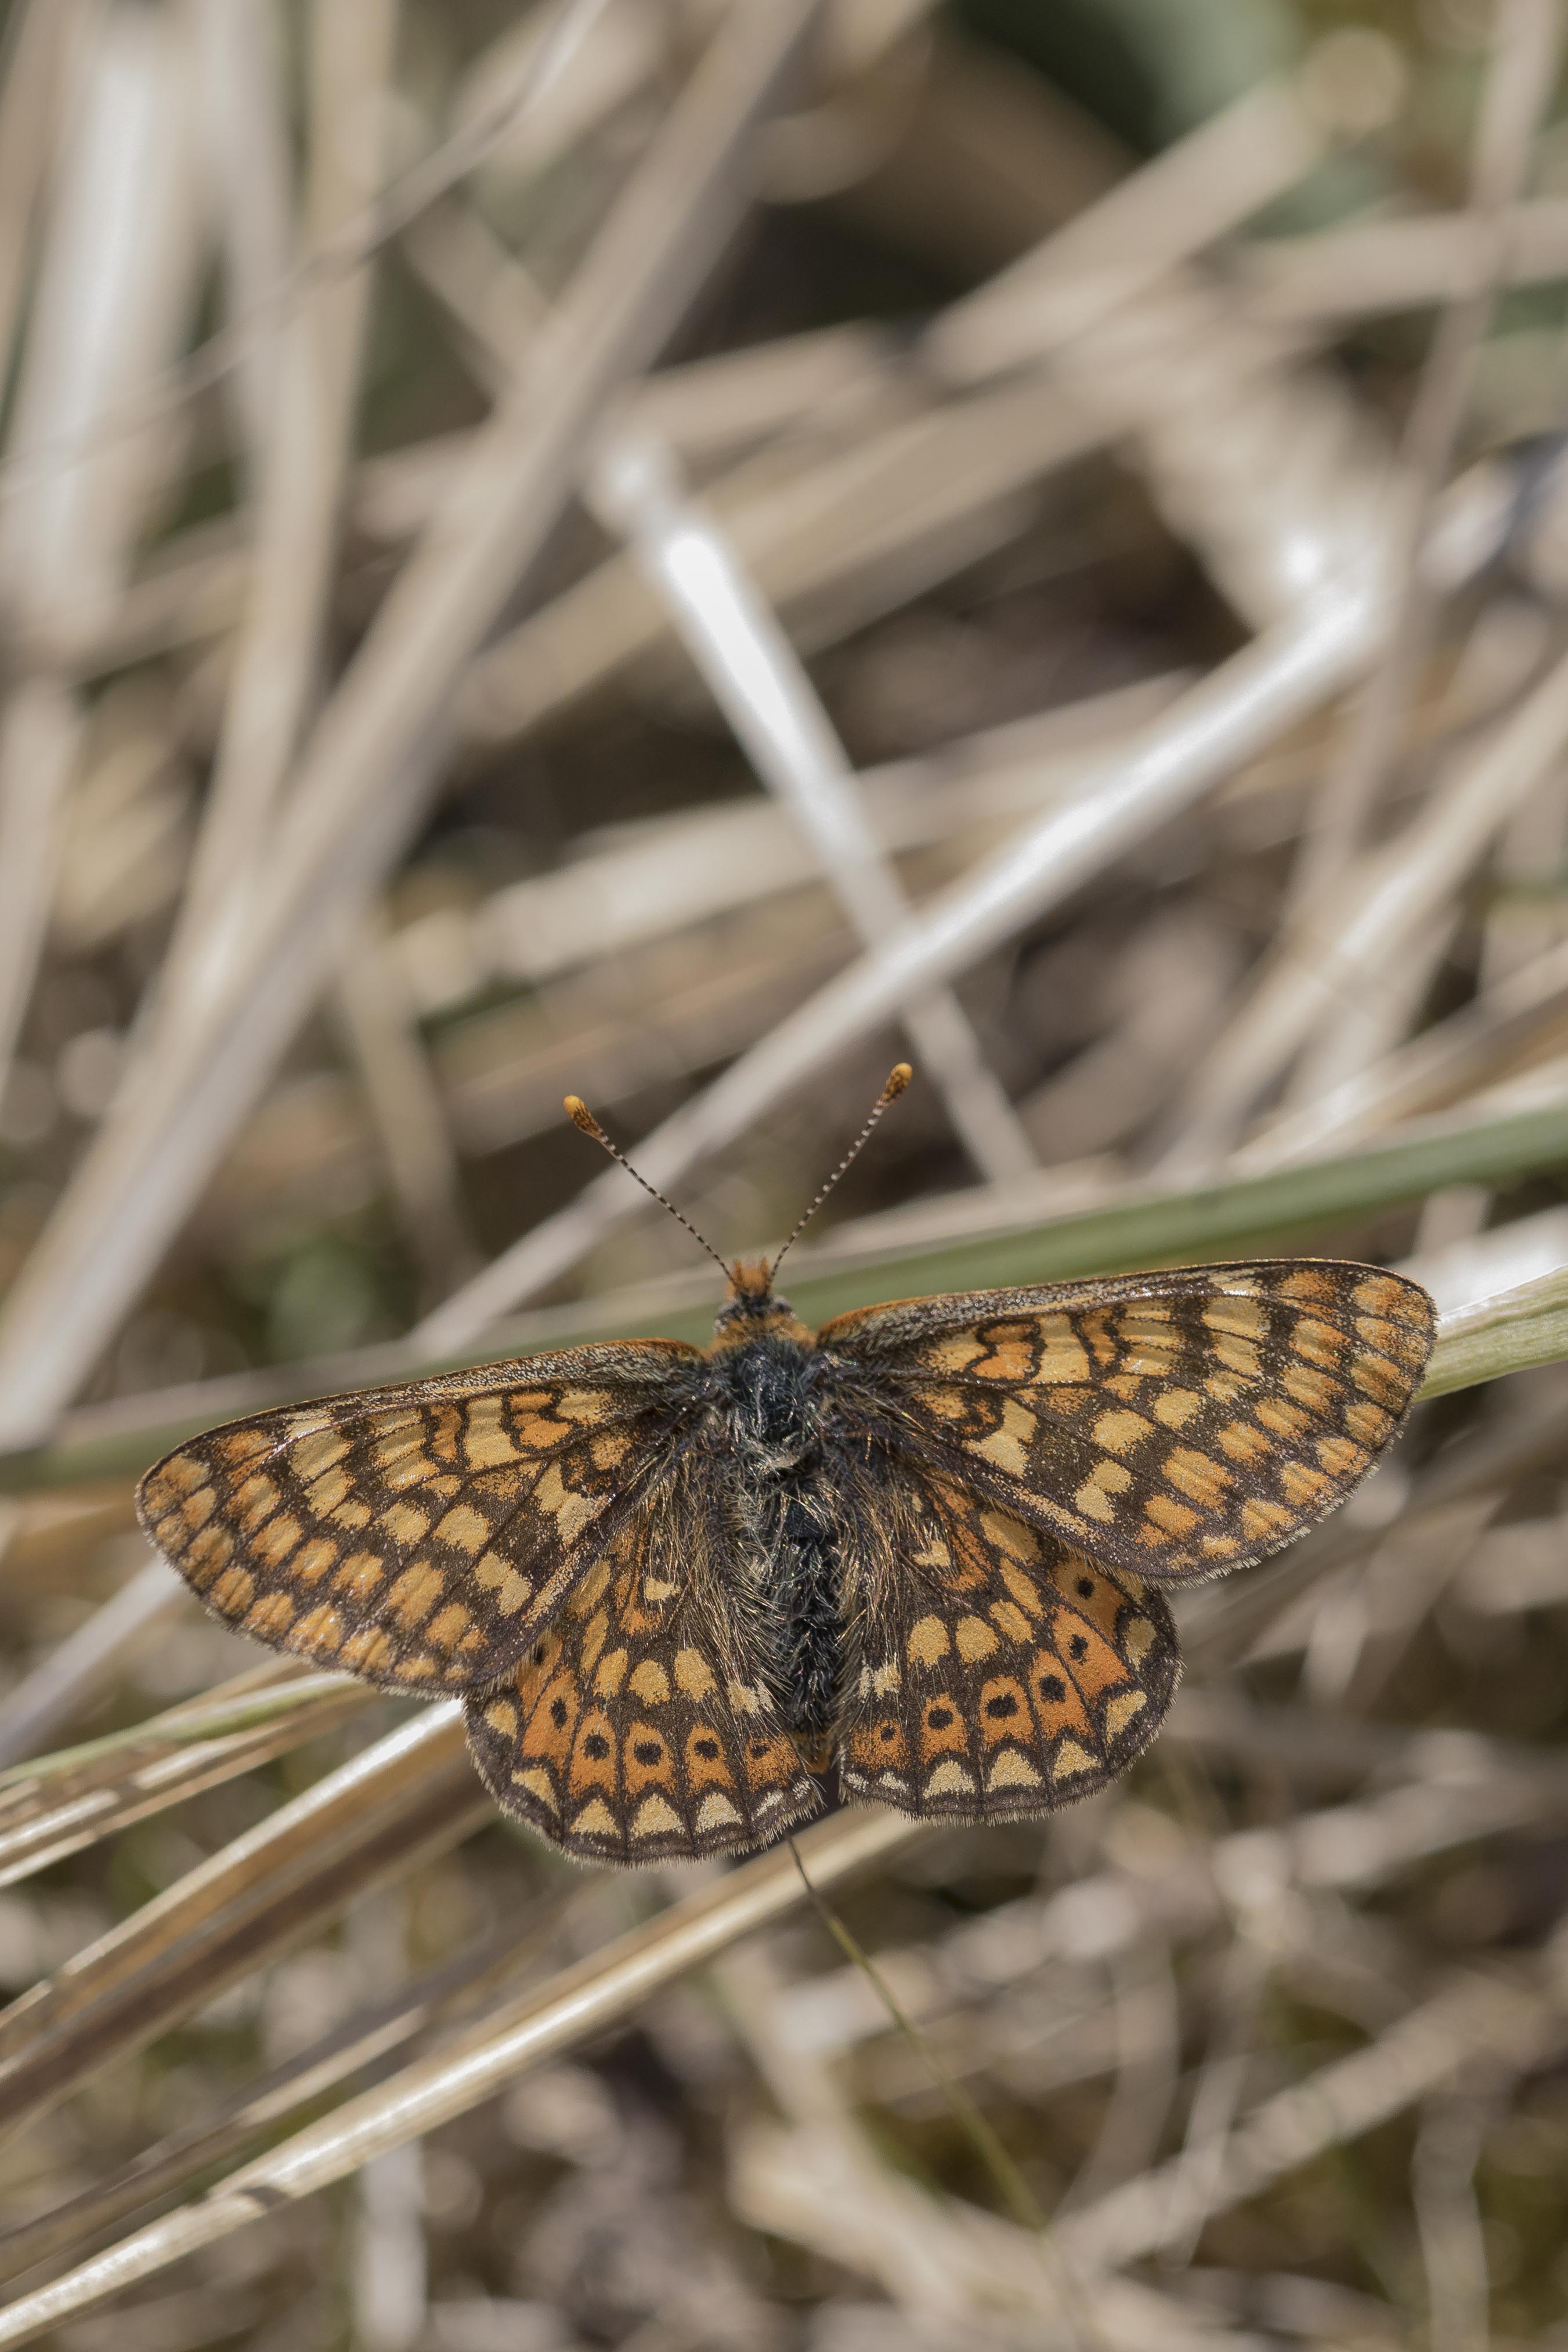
<point x="640" y="1727"/>
<point x="1000" y="1674"/>
<point x="419" y="1535"/>
<point x="1176" y="1425"/>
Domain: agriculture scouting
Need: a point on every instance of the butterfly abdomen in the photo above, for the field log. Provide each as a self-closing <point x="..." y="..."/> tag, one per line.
<point x="806" y="1600"/>
<point x="786" y="1535"/>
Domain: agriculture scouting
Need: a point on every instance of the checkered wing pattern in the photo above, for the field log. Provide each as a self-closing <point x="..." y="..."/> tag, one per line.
<point x="422" y="1535"/>
<point x="641" y="1726"/>
<point x="1174" y="1424"/>
<point x="1000" y="1674"/>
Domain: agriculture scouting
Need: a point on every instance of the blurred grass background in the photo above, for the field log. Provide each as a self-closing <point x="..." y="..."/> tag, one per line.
<point x="1125" y="439"/>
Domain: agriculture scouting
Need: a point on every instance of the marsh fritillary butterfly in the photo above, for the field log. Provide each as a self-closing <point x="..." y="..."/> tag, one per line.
<point x="673" y="1585"/>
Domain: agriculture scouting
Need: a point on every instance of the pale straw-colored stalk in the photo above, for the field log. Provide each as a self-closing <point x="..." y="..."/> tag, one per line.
<point x="250" y="173"/>
<point x="314" y="364"/>
<point x="115" y="279"/>
<point x="1448" y="2221"/>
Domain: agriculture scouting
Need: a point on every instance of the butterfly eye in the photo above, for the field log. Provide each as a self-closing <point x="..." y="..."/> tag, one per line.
<point x="558" y="1712"/>
<point x="999" y="1709"/>
<point x="597" y="1746"/>
<point x="939" y="1717"/>
<point x="1053" y="1687"/>
<point x="708" y="1749"/>
<point x="1084" y="1588"/>
<point x="647" y="1751"/>
<point x="1077" y="1647"/>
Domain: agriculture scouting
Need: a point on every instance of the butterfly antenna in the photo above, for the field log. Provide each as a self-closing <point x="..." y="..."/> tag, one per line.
<point x="579" y="1113"/>
<point x="899" y="1077"/>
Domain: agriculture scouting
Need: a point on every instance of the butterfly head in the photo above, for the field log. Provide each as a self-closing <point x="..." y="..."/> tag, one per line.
<point x="753" y="1308"/>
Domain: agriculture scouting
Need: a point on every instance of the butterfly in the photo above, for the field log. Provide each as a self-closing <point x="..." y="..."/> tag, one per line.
<point x="674" y="1586"/>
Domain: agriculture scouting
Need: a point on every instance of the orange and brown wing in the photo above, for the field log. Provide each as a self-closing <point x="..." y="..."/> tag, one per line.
<point x="640" y="1728"/>
<point x="1001" y="1674"/>
<point x="1175" y="1423"/>
<point x="419" y="1535"/>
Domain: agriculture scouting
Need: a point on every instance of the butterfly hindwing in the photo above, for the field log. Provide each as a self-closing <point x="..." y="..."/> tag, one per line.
<point x="640" y="1727"/>
<point x="1000" y="1674"/>
<point x="1175" y="1423"/>
<point x="419" y="1535"/>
